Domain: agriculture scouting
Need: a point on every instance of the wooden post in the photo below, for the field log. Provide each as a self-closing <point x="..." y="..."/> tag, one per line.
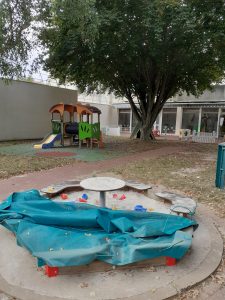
<point x="91" y="140"/>
<point x="62" y="130"/>
<point x="71" y="136"/>
<point x="79" y="136"/>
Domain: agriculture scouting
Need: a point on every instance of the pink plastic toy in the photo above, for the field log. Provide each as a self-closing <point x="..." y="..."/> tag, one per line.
<point x="123" y="197"/>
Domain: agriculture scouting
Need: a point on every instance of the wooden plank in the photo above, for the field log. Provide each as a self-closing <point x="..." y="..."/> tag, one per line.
<point x="179" y="203"/>
<point x="137" y="185"/>
<point x="55" y="189"/>
<point x="98" y="266"/>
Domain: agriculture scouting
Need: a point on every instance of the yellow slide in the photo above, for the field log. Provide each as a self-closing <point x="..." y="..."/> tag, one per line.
<point x="48" y="142"/>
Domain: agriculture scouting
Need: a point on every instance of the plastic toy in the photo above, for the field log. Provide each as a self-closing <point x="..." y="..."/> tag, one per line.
<point x="140" y="208"/>
<point x="123" y="197"/>
<point x="156" y="132"/>
<point x="51" y="271"/>
<point x="64" y="196"/>
<point x="150" y="209"/>
<point x="114" y="207"/>
<point x="50" y="189"/>
<point x="82" y="200"/>
<point x="83" y="132"/>
<point x="84" y="196"/>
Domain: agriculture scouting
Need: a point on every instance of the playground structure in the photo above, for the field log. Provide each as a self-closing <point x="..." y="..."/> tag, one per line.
<point x="74" y="123"/>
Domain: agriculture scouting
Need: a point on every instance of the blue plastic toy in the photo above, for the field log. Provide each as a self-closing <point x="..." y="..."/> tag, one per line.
<point x="140" y="208"/>
<point x="84" y="196"/>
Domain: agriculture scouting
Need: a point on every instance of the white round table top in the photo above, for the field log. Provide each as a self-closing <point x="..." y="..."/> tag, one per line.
<point x="102" y="184"/>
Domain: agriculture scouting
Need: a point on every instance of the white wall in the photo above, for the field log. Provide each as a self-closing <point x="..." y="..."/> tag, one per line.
<point x="109" y="115"/>
<point x="24" y="108"/>
<point x="217" y="94"/>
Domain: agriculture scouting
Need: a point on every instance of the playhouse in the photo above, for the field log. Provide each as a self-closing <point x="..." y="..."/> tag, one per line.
<point x="79" y="124"/>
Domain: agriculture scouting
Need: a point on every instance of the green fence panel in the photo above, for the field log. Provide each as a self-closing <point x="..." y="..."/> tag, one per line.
<point x="87" y="130"/>
<point x="220" y="171"/>
<point x="84" y="130"/>
<point x="96" y="131"/>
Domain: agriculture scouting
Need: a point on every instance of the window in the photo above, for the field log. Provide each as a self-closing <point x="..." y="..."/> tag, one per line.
<point x="209" y="119"/>
<point x="169" y="120"/>
<point x="124" y="119"/>
<point x="190" y="119"/>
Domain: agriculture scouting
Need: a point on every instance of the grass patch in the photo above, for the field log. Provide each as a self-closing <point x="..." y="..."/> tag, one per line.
<point x="11" y="165"/>
<point x="191" y="171"/>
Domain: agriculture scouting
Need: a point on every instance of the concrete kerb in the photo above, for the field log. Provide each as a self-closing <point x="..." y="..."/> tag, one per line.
<point x="190" y="274"/>
<point x="198" y="274"/>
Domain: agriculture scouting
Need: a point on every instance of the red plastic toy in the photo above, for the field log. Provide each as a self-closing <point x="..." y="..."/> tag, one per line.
<point x="64" y="196"/>
<point x="123" y="197"/>
<point x="51" y="271"/>
<point x="82" y="200"/>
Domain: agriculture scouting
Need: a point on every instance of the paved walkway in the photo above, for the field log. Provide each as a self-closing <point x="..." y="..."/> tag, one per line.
<point x="41" y="179"/>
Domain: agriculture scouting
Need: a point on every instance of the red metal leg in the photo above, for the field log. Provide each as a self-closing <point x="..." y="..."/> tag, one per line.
<point x="51" y="271"/>
<point x="170" y="261"/>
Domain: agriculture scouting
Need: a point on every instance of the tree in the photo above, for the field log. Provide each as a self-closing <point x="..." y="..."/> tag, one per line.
<point x="145" y="50"/>
<point x="15" y="21"/>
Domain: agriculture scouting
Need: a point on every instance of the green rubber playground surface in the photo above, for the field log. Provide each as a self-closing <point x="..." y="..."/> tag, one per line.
<point x="82" y="154"/>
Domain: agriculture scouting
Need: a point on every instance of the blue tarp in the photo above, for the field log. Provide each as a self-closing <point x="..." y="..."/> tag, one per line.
<point x="72" y="234"/>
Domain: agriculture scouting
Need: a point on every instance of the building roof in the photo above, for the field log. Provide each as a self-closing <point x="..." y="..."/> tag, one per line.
<point x="174" y="104"/>
<point x="196" y="104"/>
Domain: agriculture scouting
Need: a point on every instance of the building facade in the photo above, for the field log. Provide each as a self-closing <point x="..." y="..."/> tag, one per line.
<point x="203" y="114"/>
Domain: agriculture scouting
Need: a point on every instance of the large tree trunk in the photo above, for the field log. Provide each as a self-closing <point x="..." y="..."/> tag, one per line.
<point x="146" y="112"/>
<point x="143" y="131"/>
<point x="146" y="133"/>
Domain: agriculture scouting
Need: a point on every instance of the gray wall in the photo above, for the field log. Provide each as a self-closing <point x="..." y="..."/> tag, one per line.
<point x="24" y="108"/>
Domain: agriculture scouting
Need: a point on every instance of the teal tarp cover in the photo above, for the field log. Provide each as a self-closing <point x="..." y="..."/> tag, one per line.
<point x="72" y="234"/>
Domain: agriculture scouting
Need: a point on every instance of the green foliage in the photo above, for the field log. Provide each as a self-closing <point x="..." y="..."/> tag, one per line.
<point x="15" y="21"/>
<point x="145" y="50"/>
<point x="133" y="45"/>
